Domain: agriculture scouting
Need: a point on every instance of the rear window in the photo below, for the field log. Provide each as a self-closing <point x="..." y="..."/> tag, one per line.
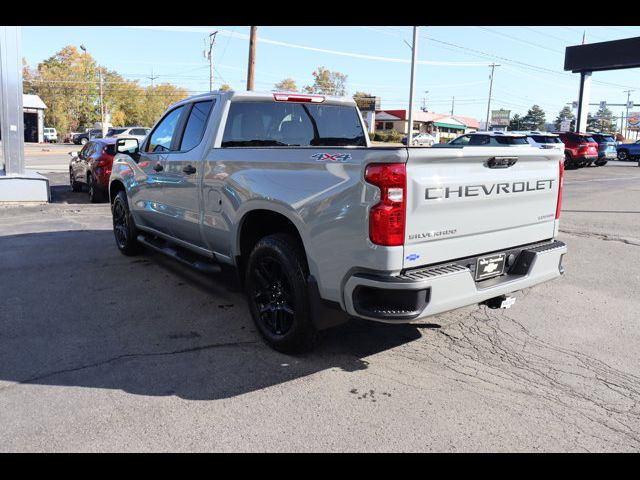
<point x="255" y="124"/>
<point x="508" y="140"/>
<point x="545" y="139"/>
<point x="604" y="138"/>
<point x="115" y="131"/>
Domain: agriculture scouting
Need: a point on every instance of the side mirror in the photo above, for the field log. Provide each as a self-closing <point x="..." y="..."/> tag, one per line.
<point x="129" y="146"/>
<point x="73" y="154"/>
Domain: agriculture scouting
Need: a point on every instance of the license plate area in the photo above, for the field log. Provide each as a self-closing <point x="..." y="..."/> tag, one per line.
<point x="490" y="266"/>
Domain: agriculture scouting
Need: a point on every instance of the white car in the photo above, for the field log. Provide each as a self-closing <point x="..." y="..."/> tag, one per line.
<point x="543" y="139"/>
<point x="50" y="135"/>
<point x="139" y="133"/>
<point x="422" y="139"/>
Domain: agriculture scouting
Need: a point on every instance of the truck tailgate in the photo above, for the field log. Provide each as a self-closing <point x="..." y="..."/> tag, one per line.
<point x="466" y="201"/>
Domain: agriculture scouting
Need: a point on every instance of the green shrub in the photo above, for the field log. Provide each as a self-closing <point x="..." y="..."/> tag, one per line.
<point x="393" y="136"/>
<point x="380" y="137"/>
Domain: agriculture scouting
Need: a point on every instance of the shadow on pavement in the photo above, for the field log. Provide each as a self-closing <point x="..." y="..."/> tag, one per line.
<point x="78" y="313"/>
<point x="63" y="194"/>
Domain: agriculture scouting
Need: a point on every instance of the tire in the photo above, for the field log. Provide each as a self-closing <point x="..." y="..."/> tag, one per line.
<point x="276" y="287"/>
<point x="75" y="186"/>
<point x="415" y="143"/>
<point x="83" y="141"/>
<point x="95" y="195"/>
<point x="568" y="162"/>
<point x="124" y="229"/>
<point x="623" y="155"/>
<point x="601" y="163"/>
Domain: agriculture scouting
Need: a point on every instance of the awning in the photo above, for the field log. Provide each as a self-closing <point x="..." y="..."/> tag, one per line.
<point x="449" y="125"/>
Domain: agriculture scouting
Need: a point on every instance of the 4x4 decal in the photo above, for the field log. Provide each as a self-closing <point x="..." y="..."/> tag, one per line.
<point x="331" y="157"/>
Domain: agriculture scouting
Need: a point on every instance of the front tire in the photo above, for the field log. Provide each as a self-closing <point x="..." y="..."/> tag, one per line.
<point x="94" y="193"/>
<point x="124" y="230"/>
<point x="623" y="155"/>
<point x="601" y="163"/>
<point x="75" y="186"/>
<point x="83" y="141"/>
<point x="276" y="287"/>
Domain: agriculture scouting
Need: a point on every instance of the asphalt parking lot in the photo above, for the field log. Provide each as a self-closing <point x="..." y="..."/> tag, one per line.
<point x="101" y="352"/>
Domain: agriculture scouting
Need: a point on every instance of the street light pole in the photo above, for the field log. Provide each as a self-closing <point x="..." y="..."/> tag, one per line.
<point x="414" y="53"/>
<point x="493" y="66"/>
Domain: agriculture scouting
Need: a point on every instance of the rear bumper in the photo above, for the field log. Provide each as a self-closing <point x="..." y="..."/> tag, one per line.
<point x="419" y="293"/>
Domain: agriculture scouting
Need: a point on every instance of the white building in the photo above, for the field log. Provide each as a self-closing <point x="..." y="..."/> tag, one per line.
<point x="33" y="110"/>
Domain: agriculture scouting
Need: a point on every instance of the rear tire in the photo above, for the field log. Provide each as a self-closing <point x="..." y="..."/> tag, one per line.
<point x="124" y="229"/>
<point x="568" y="162"/>
<point x="601" y="163"/>
<point x="83" y="141"/>
<point x="94" y="194"/>
<point x="623" y="155"/>
<point x="75" y="186"/>
<point x="276" y="287"/>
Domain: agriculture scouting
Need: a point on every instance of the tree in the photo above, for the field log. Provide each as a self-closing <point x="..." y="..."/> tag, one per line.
<point x="327" y="82"/>
<point x="225" y="87"/>
<point x="515" y="122"/>
<point x="156" y="100"/>
<point x="565" y="114"/>
<point x="286" y="85"/>
<point x="534" y="119"/>
<point x="361" y="94"/>
<point x="602" y="121"/>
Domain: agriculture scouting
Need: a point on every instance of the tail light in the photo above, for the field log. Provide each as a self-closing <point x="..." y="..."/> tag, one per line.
<point x="387" y="217"/>
<point x="560" y="188"/>
<point x="284" y="97"/>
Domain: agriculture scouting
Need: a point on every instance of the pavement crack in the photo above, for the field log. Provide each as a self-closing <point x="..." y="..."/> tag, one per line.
<point x="123" y="357"/>
<point x="602" y="236"/>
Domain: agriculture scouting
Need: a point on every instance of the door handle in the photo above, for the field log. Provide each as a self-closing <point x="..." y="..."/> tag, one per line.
<point x="189" y="170"/>
<point x="158" y="167"/>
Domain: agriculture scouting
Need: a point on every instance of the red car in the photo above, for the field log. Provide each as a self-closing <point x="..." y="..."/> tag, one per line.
<point x="92" y="167"/>
<point x="580" y="149"/>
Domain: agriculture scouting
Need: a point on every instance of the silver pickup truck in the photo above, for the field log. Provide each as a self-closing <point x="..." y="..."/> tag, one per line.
<point x="322" y="226"/>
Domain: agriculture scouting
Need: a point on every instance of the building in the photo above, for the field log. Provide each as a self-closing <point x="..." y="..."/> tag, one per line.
<point x="33" y="112"/>
<point x="443" y="126"/>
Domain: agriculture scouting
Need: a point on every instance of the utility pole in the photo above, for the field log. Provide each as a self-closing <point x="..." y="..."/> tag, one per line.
<point x="424" y="101"/>
<point x="453" y="102"/>
<point x="252" y="58"/>
<point x="152" y="78"/>
<point x="493" y="66"/>
<point x="626" y="129"/>
<point x="414" y="53"/>
<point x="212" y="40"/>
<point x="102" y="125"/>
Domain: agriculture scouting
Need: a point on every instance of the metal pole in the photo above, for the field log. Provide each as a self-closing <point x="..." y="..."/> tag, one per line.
<point x="626" y="127"/>
<point x="102" y="125"/>
<point x="11" y="113"/>
<point x="583" y="101"/>
<point x="252" y="58"/>
<point x="493" y="66"/>
<point x="212" y="40"/>
<point x="414" y="52"/>
<point x="453" y="102"/>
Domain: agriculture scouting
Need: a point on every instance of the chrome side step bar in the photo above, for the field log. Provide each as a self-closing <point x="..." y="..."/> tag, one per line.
<point x="181" y="255"/>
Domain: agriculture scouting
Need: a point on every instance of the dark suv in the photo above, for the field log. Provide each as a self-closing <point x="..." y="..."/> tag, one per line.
<point x="83" y="138"/>
<point x="580" y="149"/>
<point x="606" y="148"/>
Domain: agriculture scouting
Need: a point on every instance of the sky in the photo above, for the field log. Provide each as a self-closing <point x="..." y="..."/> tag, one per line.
<point x="376" y="59"/>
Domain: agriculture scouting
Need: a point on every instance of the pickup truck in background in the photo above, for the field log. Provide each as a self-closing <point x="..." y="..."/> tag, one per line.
<point x="321" y="226"/>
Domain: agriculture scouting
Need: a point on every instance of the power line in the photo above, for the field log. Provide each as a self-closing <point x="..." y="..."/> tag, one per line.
<point x="520" y="40"/>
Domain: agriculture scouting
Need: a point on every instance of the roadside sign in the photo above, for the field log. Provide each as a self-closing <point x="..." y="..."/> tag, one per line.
<point x="565" y="125"/>
<point x="500" y="117"/>
<point x="574" y="105"/>
<point x="368" y="104"/>
<point x="603" y="105"/>
<point x="630" y="104"/>
<point x="634" y="119"/>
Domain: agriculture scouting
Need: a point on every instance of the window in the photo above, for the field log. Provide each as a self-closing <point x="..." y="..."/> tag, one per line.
<point x="545" y="139"/>
<point x="195" y="125"/>
<point x="269" y="124"/>
<point x="388" y="126"/>
<point x="508" y="140"/>
<point x="464" y="140"/>
<point x="115" y="131"/>
<point x="138" y="131"/>
<point x="479" y="140"/>
<point x="162" y="136"/>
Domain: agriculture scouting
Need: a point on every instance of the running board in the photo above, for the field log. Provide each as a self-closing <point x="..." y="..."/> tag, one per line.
<point x="180" y="255"/>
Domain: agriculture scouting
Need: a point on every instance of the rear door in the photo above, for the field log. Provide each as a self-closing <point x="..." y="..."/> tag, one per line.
<point x="468" y="201"/>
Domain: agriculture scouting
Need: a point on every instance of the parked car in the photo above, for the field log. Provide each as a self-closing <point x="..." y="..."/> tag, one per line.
<point x="420" y="139"/>
<point x="606" y="148"/>
<point x="580" y="149"/>
<point x="322" y="227"/>
<point x="50" y="135"/>
<point x="629" y="151"/>
<point x="83" y="138"/>
<point x="91" y="167"/>
<point x="138" y="133"/>
<point x="543" y="139"/>
<point x="487" y="139"/>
